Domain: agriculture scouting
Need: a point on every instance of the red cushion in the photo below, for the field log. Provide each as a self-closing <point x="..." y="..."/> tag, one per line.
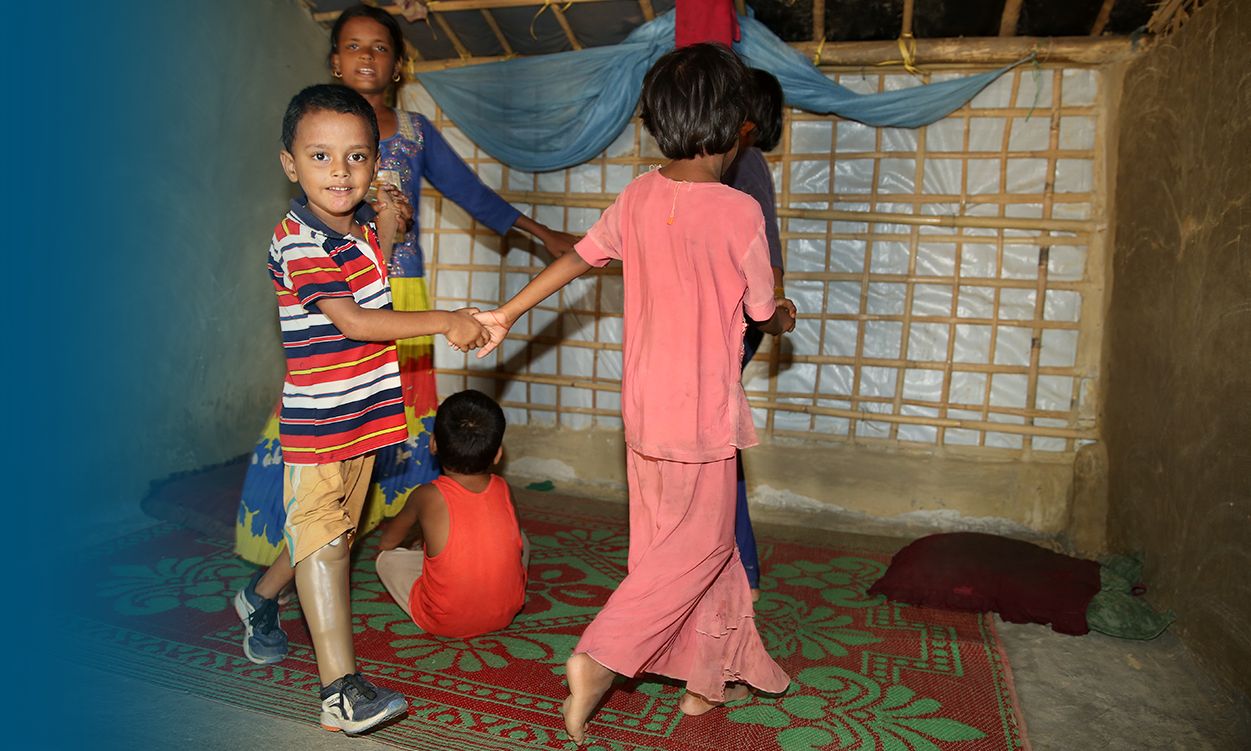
<point x="978" y="572"/>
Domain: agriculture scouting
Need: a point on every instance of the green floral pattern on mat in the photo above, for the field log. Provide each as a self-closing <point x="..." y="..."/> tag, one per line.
<point x="204" y="584"/>
<point x="853" y="711"/>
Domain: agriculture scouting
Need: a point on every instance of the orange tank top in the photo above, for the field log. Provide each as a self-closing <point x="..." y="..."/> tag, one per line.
<point x="476" y="584"/>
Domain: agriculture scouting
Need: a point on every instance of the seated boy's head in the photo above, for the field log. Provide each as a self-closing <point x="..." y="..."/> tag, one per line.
<point x="468" y="431"/>
<point x="330" y="147"/>
<point x="693" y="101"/>
<point x="765" y="110"/>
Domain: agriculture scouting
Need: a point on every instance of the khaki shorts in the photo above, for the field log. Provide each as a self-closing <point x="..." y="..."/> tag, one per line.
<point x="323" y="501"/>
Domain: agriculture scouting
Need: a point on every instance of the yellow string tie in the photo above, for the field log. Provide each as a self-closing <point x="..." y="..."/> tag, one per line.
<point x="907" y="52"/>
<point x="538" y="13"/>
<point x="816" y="58"/>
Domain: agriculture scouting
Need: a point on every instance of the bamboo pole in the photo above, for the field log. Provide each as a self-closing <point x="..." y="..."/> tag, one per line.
<point x="1165" y="14"/>
<point x="461" y="49"/>
<point x="905" y="29"/>
<point x="1011" y="15"/>
<point x="564" y="25"/>
<point x="811" y="409"/>
<point x="648" y="13"/>
<point x="977" y="52"/>
<point x="818" y="20"/>
<point x="449" y="6"/>
<point x="602" y="201"/>
<point x="981" y="50"/>
<point x="498" y="32"/>
<point x="1101" y="20"/>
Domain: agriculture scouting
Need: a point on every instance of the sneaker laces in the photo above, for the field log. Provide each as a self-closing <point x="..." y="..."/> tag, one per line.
<point x="265" y="618"/>
<point x="360" y="687"/>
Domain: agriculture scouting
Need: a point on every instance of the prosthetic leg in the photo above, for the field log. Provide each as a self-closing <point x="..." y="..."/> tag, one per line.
<point x="349" y="702"/>
<point x="322" y="582"/>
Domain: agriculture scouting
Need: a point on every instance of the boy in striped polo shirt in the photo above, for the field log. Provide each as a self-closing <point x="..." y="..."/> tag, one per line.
<point x="342" y="398"/>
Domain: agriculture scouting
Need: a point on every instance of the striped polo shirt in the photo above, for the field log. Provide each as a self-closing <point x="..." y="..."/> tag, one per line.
<point x="342" y="398"/>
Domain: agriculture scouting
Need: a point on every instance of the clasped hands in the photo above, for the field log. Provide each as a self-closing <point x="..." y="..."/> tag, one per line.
<point x="471" y="328"/>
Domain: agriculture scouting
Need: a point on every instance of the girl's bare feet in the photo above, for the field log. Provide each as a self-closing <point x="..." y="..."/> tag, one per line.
<point x="694" y="705"/>
<point x="588" y="682"/>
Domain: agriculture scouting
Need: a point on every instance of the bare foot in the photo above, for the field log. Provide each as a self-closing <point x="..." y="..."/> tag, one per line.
<point x="588" y="682"/>
<point x="694" y="705"/>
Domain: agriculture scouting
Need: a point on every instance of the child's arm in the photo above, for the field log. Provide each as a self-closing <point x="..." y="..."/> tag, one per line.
<point x="380" y="325"/>
<point x="557" y="243"/>
<point x="400" y="529"/>
<point x="497" y="322"/>
<point x="782" y="321"/>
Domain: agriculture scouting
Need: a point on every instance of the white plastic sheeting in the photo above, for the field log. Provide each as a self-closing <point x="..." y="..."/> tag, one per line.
<point x="929" y="323"/>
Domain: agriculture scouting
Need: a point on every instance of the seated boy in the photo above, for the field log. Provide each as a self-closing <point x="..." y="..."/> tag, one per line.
<point x="342" y="399"/>
<point x="469" y="575"/>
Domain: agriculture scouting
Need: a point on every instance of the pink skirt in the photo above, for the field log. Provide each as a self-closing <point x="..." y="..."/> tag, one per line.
<point x="684" y="609"/>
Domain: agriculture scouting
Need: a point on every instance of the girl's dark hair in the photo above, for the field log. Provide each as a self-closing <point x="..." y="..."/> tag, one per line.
<point x="326" y="97"/>
<point x="468" y="430"/>
<point x="693" y="101"/>
<point x="766" y="109"/>
<point x="376" y="14"/>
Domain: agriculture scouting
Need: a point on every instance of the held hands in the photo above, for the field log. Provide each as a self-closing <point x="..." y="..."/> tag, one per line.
<point x="395" y="212"/>
<point x="496" y="325"/>
<point x="464" y="332"/>
<point x="786" y="313"/>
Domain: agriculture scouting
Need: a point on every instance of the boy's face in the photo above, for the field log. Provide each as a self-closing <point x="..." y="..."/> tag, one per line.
<point x="334" y="159"/>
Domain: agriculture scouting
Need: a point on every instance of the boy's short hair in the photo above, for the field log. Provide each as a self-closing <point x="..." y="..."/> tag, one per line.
<point x="766" y="109"/>
<point x="326" y="97"/>
<point x="693" y="101"/>
<point x="468" y="430"/>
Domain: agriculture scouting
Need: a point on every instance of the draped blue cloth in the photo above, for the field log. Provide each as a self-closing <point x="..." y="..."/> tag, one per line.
<point x="545" y="113"/>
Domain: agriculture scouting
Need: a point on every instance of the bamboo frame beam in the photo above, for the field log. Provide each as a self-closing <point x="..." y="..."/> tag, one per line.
<point x="564" y="25"/>
<point x="811" y="409"/>
<point x="818" y="20"/>
<point x="447" y="6"/>
<point x="980" y="50"/>
<point x="649" y="14"/>
<point x="905" y="27"/>
<point x="602" y="201"/>
<point x="1011" y="15"/>
<point x="1171" y="14"/>
<point x="498" y="32"/>
<point x="1101" y="20"/>
<point x="457" y="44"/>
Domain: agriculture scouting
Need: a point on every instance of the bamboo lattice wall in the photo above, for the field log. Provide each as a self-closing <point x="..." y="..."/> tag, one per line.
<point x="949" y="278"/>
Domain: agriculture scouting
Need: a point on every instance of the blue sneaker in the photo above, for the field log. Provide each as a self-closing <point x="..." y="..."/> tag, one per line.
<point x="354" y="705"/>
<point x="264" y="641"/>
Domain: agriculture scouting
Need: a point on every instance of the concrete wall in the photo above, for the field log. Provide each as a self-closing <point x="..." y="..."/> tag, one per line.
<point x="192" y="334"/>
<point x="1178" y="357"/>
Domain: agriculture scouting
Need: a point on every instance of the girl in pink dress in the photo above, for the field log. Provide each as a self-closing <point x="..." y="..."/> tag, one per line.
<point x="694" y="259"/>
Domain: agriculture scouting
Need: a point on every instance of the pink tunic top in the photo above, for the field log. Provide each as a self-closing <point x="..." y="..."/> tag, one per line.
<point x="693" y="257"/>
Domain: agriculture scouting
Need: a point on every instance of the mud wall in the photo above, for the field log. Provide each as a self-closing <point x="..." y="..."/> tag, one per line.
<point x="1178" y="352"/>
<point x="182" y="350"/>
